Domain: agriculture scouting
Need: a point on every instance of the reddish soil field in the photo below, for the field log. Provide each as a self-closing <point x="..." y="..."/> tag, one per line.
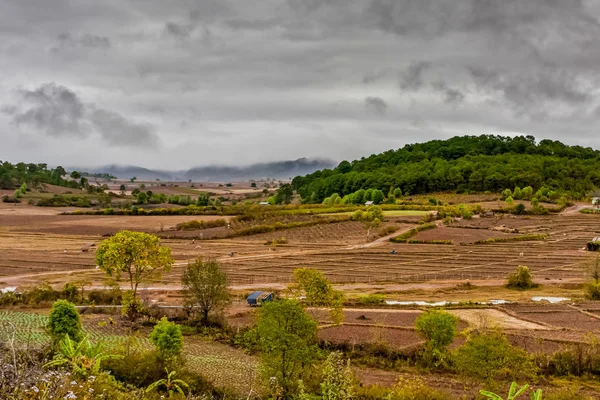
<point x="354" y="335"/>
<point x="32" y="242"/>
<point x="460" y="235"/>
<point x="94" y="224"/>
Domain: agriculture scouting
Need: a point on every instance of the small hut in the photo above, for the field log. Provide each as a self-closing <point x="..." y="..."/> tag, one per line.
<point x="257" y="298"/>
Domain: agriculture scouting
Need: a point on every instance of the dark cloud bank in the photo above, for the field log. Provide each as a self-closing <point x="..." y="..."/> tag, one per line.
<point x="231" y="82"/>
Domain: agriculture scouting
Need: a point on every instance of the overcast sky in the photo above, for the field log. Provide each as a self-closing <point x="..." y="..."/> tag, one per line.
<point x="180" y="83"/>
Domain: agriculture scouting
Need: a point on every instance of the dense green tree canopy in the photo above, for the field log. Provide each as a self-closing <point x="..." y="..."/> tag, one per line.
<point x="475" y="163"/>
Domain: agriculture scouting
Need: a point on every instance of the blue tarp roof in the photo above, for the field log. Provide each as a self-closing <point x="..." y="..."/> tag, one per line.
<point x="254" y="295"/>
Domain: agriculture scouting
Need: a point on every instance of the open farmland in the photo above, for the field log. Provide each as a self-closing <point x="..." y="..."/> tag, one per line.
<point x="51" y="244"/>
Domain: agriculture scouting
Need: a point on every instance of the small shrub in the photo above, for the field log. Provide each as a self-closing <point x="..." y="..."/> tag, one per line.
<point x="521" y="280"/>
<point x="405" y="389"/>
<point x="167" y="338"/>
<point x="64" y="320"/>
<point x="372" y="299"/>
<point x="565" y="394"/>
<point x="592" y="290"/>
<point x="490" y="356"/>
<point x="70" y="292"/>
<point x="275" y="242"/>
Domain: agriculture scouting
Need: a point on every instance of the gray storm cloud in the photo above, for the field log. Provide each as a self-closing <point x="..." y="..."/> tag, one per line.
<point x="237" y="82"/>
<point x="57" y="111"/>
<point x="376" y="105"/>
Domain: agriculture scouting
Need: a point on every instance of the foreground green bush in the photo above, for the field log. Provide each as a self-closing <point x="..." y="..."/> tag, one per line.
<point x="489" y="356"/>
<point x="64" y="320"/>
<point x="405" y="389"/>
<point x="438" y="329"/>
<point x="167" y="338"/>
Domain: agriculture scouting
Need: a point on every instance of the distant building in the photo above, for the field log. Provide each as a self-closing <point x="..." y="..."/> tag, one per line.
<point x="369" y="203"/>
<point x="257" y="298"/>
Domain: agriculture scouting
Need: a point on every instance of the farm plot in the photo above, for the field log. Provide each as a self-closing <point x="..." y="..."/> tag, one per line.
<point x="357" y="335"/>
<point x="559" y="316"/>
<point x="376" y="317"/>
<point x="460" y="235"/>
<point x="490" y="318"/>
<point x="222" y="365"/>
<point x="337" y="234"/>
<point x="324" y="247"/>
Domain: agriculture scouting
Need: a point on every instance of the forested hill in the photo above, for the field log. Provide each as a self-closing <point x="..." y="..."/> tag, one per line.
<point x="464" y="163"/>
<point x="14" y="175"/>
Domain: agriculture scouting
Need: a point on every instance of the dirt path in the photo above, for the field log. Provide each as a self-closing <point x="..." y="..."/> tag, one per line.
<point x="574" y="209"/>
<point x="488" y="317"/>
<point x="383" y="239"/>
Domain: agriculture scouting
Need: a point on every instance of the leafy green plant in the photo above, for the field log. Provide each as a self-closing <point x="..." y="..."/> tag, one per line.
<point x="82" y="357"/>
<point x="172" y="386"/>
<point x="513" y="393"/>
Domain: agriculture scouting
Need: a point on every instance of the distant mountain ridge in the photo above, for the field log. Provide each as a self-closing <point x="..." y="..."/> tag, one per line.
<point x="277" y="170"/>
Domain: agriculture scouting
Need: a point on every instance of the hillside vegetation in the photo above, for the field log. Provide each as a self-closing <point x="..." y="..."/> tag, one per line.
<point x="462" y="164"/>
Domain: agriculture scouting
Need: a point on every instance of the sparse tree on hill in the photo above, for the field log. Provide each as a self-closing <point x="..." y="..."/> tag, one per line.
<point x="142" y="198"/>
<point x="284" y="194"/>
<point x="377" y="196"/>
<point x="517" y="193"/>
<point x="205" y="287"/>
<point x="137" y="255"/>
<point x="370" y="219"/>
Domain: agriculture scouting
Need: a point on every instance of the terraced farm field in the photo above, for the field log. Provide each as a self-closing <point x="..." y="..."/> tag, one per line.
<point x="28" y="255"/>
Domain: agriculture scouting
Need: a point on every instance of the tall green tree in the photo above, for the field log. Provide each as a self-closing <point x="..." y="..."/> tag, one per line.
<point x="205" y="287"/>
<point x="288" y="342"/>
<point x="317" y="291"/>
<point x="138" y="256"/>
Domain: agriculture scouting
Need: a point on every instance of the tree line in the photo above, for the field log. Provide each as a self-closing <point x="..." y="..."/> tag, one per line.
<point x="13" y="176"/>
<point x="462" y="164"/>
